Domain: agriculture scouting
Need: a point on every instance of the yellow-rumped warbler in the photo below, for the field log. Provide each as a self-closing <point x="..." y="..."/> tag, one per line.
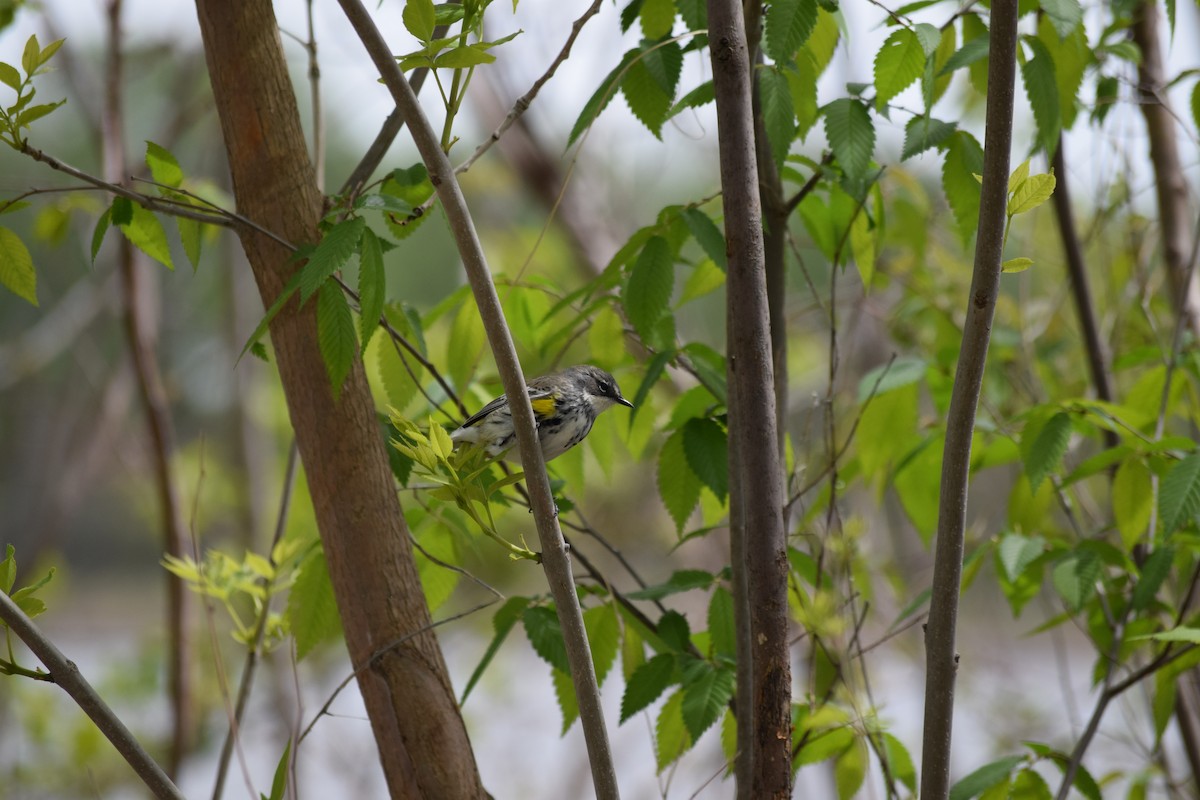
<point x="565" y="404"/>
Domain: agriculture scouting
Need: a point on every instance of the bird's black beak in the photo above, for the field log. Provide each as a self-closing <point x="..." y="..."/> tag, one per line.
<point x="624" y="402"/>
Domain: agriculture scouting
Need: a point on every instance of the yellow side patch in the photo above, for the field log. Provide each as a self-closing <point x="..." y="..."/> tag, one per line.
<point x="543" y="407"/>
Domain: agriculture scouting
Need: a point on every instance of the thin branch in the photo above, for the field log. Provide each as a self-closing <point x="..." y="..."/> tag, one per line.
<point x="64" y="673"/>
<point x="941" y="658"/>
<point x="260" y="633"/>
<point x="555" y="560"/>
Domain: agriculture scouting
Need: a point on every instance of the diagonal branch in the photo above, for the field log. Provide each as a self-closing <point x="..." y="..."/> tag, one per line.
<point x="555" y="560"/>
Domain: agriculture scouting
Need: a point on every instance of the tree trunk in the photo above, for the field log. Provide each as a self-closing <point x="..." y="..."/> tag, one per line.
<point x="421" y="736"/>
<point x="759" y="547"/>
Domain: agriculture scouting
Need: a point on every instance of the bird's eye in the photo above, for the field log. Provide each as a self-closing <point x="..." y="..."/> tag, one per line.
<point x="604" y="388"/>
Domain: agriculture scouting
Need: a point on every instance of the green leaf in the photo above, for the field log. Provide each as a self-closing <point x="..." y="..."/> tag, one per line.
<point x="163" y="166"/>
<point x="789" y="24"/>
<point x="648" y="292"/>
<point x="649" y="84"/>
<point x="467" y="340"/>
<point x="671" y="734"/>
<point x="722" y="632"/>
<point x="372" y="285"/>
<point x="678" y="485"/>
<point x="706" y="447"/>
<point x="190" y="236"/>
<point x="802" y="84"/>
<point x="674" y="632"/>
<point x="851" y="135"/>
<point x="964" y="160"/>
<point x="330" y="255"/>
<point x="1041" y="87"/>
<point x="900" y="763"/>
<point x="10" y="77"/>
<point x="1182" y="634"/>
<point x="984" y="778"/>
<point x="29" y="57"/>
<point x="469" y="55"/>
<point x="146" y="233"/>
<point x="502" y="624"/>
<point x="545" y="634"/>
<point x="1043" y="446"/>
<point x="1065" y="15"/>
<point x="1016" y="552"/>
<point x="1014" y="265"/>
<point x="850" y="769"/>
<point x="706" y="277"/>
<point x="261" y="329"/>
<point x="8" y="570"/>
<point x="335" y="335"/>
<point x="564" y="690"/>
<point x="311" y="608"/>
<point x="1032" y="192"/>
<point x="683" y="580"/>
<point x="279" y="782"/>
<point x="923" y="133"/>
<point x="16" y="267"/>
<point x="420" y="18"/>
<point x="705" y="698"/>
<point x="779" y="118"/>
<point x="903" y="371"/>
<point x="707" y="235"/>
<point x="33" y="113"/>
<point x="604" y="638"/>
<point x="601" y="97"/>
<point x="98" y="232"/>
<point x="1132" y="501"/>
<point x="702" y="95"/>
<point x="1155" y="570"/>
<point x="647" y="683"/>
<point x="657" y="18"/>
<point x="974" y="50"/>
<point x="1179" y="495"/>
<point x="1075" y="578"/>
<point x="898" y="64"/>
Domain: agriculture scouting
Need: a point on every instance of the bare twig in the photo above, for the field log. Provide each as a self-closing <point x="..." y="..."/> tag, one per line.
<point x="554" y="556"/>
<point x="68" y="676"/>
<point x="941" y="658"/>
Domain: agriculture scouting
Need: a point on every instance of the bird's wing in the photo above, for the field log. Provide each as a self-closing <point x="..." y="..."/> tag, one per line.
<point x="535" y="391"/>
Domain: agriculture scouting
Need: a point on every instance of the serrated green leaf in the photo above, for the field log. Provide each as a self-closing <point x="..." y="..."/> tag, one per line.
<point x="707" y="235"/>
<point x="900" y="763"/>
<point x="702" y="95"/>
<point x="1031" y="193"/>
<point x="372" y="285"/>
<point x="705" y="698"/>
<point x="1043" y="452"/>
<point x="802" y="84"/>
<point x="163" y="166"/>
<point x="1075" y="578"/>
<point x="568" y="703"/>
<point x="657" y="18"/>
<point x="706" y="447"/>
<point x="964" y="159"/>
<point x="789" y="24"/>
<point x="850" y="769"/>
<point x="706" y="277"/>
<point x="823" y="41"/>
<point x="1065" y="15"/>
<point x="972" y="51"/>
<point x="898" y="64"/>
<point x="1154" y="571"/>
<point x="671" y="735"/>
<point x="1041" y="87"/>
<point x="650" y="82"/>
<point x="604" y="638"/>
<point x="1132" y="501"/>
<point x="146" y="233"/>
<point x="330" y="255"/>
<point x="311" y="609"/>
<point x="420" y="18"/>
<point x="851" y="135"/>
<point x="335" y="335"/>
<point x="503" y="622"/>
<point x="984" y="778"/>
<point x="923" y="133"/>
<point x="722" y="631"/>
<point x="1019" y="264"/>
<point x="647" y="295"/>
<point x="678" y="486"/>
<point x="16" y="267"/>
<point x="545" y="634"/>
<point x="647" y="683"/>
<point x="1016" y="552"/>
<point x="1179" y="495"/>
<point x="601" y="97"/>
<point x="779" y="118"/>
